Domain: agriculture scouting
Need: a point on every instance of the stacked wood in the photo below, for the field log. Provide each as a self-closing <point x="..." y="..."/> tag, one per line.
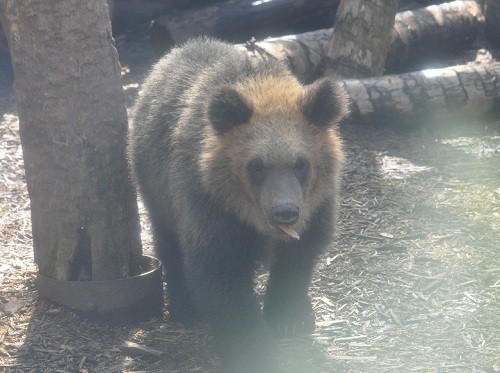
<point x="452" y="25"/>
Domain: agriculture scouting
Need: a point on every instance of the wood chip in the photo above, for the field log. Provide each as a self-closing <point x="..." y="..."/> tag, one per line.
<point x="134" y="349"/>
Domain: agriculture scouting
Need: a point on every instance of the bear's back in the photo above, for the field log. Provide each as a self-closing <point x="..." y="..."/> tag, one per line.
<point x="161" y="99"/>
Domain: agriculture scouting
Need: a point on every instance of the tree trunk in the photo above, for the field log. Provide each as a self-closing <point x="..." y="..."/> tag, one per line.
<point x="464" y="89"/>
<point x="492" y="23"/>
<point x="449" y="26"/>
<point x="73" y="126"/>
<point x="361" y="37"/>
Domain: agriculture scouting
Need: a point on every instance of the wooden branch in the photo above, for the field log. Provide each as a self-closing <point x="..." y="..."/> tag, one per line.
<point x="307" y="53"/>
<point x="471" y="89"/>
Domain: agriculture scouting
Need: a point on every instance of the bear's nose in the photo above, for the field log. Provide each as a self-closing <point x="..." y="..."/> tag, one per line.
<point x="285" y="213"/>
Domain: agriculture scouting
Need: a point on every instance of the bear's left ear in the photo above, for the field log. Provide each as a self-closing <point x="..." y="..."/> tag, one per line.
<point x="228" y="108"/>
<point x="325" y="103"/>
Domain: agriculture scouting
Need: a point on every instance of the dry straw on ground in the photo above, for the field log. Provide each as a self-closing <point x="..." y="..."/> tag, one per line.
<point x="411" y="283"/>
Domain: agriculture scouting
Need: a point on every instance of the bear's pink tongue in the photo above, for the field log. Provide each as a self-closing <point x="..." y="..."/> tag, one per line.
<point x="288" y="230"/>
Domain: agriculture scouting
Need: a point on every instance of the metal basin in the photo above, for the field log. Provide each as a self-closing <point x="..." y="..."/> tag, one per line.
<point x="124" y="300"/>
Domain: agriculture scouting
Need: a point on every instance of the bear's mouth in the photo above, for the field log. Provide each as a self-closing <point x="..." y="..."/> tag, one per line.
<point x="288" y="229"/>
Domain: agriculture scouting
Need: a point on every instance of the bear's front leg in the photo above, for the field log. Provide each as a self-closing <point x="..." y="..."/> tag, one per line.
<point x="287" y="306"/>
<point x="219" y="269"/>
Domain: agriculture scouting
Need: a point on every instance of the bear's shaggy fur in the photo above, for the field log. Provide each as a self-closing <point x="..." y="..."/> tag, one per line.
<point x="236" y="159"/>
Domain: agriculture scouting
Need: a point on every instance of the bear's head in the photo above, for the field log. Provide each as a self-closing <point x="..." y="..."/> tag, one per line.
<point x="272" y="155"/>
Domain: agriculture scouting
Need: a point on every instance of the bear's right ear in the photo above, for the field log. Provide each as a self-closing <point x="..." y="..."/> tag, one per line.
<point x="228" y="108"/>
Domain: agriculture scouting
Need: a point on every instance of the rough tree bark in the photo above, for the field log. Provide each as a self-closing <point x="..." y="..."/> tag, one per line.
<point x="73" y="126"/>
<point x="449" y="26"/>
<point x="465" y="89"/>
<point x="361" y="37"/>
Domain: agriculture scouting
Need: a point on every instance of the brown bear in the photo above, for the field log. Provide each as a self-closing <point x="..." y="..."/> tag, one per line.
<point x="238" y="163"/>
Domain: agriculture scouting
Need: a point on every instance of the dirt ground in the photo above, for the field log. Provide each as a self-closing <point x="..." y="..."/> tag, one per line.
<point x="410" y="284"/>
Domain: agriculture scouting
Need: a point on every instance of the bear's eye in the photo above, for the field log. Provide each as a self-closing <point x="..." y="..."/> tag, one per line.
<point x="301" y="168"/>
<point x="256" y="169"/>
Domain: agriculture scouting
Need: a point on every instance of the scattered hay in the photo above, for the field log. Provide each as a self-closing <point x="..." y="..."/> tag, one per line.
<point x="411" y="283"/>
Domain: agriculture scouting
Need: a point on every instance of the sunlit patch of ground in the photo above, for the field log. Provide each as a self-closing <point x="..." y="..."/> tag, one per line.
<point x="399" y="168"/>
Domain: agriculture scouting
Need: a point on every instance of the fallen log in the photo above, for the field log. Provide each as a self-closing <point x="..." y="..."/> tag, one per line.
<point x="240" y="20"/>
<point x="471" y="89"/>
<point x="433" y="31"/>
<point x="449" y="26"/>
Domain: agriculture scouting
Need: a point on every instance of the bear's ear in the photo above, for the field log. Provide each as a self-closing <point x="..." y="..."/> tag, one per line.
<point x="325" y="103"/>
<point x="228" y="108"/>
